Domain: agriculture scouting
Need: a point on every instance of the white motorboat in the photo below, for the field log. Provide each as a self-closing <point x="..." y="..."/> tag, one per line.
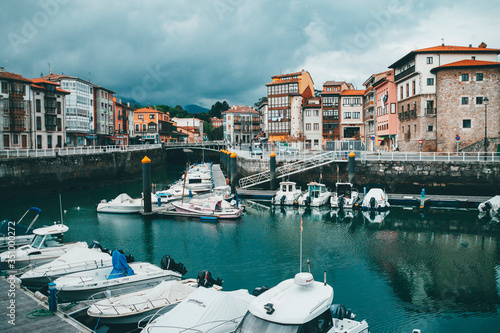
<point x="375" y="199"/>
<point x="45" y="247"/>
<point x="74" y="261"/>
<point x="375" y="217"/>
<point x="211" y="207"/>
<point x="316" y="195"/>
<point x="80" y="286"/>
<point x="14" y="234"/>
<point x="205" y="310"/>
<point x="345" y="196"/>
<point x="491" y="206"/>
<point x="287" y="195"/>
<point x="197" y="181"/>
<point x="174" y="192"/>
<point x="223" y="192"/>
<point x="130" y="307"/>
<point x="299" y="305"/>
<point x="122" y="204"/>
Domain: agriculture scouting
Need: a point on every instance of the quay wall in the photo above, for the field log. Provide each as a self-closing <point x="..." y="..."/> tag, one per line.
<point x="398" y="177"/>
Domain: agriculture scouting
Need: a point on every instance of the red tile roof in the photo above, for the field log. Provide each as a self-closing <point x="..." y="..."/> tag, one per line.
<point x="452" y="48"/>
<point x="291" y="74"/>
<point x="13" y="76"/>
<point x="466" y="63"/>
<point x="353" y="93"/>
<point x="42" y="80"/>
<point x="241" y="109"/>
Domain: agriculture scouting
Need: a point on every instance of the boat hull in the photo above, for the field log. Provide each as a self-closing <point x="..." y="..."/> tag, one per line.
<point x="185" y="209"/>
<point x="118" y="209"/>
<point x="131" y="318"/>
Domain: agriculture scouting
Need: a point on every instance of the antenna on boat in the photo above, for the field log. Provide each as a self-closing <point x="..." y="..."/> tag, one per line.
<point x="309" y="265"/>
<point x="324" y="272"/>
<point x="301" y="230"/>
<point x="60" y="208"/>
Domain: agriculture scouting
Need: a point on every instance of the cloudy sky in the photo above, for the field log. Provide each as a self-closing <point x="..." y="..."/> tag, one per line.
<point x="200" y="51"/>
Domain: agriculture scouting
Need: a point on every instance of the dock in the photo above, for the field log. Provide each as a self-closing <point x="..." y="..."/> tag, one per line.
<point x="24" y="303"/>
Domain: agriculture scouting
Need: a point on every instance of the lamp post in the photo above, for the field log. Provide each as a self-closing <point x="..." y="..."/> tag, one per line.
<point x="485" y="101"/>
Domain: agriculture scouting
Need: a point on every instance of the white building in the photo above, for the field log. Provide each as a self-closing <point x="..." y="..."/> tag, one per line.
<point x="351" y="115"/>
<point x="191" y="125"/>
<point x="241" y="124"/>
<point x="79" y="114"/>
<point x="312" y="122"/>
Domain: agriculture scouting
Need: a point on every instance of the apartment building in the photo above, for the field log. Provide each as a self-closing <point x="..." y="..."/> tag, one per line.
<point x="192" y="127"/>
<point x="124" y="122"/>
<point x="216" y="122"/>
<point x="351" y="115"/>
<point x="330" y="108"/>
<point x="152" y="126"/>
<point x="79" y="113"/>
<point x="468" y="105"/>
<point x="416" y="91"/>
<point x="15" y="111"/>
<point x="241" y="124"/>
<point x="104" y="115"/>
<point x="48" y="114"/>
<point x="286" y="95"/>
<point x="313" y="119"/>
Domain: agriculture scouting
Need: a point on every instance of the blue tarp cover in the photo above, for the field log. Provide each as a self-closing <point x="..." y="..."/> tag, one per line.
<point x="120" y="266"/>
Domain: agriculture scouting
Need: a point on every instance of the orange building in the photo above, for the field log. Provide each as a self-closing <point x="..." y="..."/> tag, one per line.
<point x="153" y="126"/>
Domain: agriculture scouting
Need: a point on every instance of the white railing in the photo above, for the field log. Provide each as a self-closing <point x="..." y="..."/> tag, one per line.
<point x="82" y="150"/>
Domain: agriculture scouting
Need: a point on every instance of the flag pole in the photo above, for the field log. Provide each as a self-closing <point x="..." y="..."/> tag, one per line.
<point x="301" y="230"/>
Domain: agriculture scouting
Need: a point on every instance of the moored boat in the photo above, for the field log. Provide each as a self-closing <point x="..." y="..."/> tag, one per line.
<point x="209" y="207"/>
<point x="287" y="194"/>
<point x="316" y="195"/>
<point x="345" y="196"/>
<point x="14" y="234"/>
<point x="491" y="206"/>
<point x="122" y="204"/>
<point x="375" y="199"/>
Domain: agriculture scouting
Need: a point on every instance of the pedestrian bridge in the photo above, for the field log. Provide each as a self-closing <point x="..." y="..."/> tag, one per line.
<point x="208" y="145"/>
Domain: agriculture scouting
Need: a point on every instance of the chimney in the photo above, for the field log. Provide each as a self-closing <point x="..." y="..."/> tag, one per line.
<point x="128" y="104"/>
<point x="470" y="45"/>
<point x="482" y="45"/>
<point x="120" y="100"/>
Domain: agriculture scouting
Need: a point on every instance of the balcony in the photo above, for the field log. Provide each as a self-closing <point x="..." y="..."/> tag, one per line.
<point x="407" y="136"/>
<point x="413" y="114"/>
<point x="430" y="112"/>
<point x="401" y="116"/>
<point x="404" y="73"/>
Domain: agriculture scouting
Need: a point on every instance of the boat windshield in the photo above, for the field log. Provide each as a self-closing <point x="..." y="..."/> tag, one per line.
<point x="37" y="241"/>
<point x="251" y="324"/>
<point x="42" y="241"/>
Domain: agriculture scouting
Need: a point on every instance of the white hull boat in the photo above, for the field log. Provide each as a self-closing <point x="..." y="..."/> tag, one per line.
<point x="287" y="195"/>
<point x="316" y="195"/>
<point x="45" y="247"/>
<point x="140" y="275"/>
<point x="131" y="307"/>
<point x="345" y="196"/>
<point x="211" y="207"/>
<point x="491" y="206"/>
<point x="375" y="199"/>
<point x="74" y="261"/>
<point x="122" y="204"/>
<point x="299" y="305"/>
<point x="205" y="310"/>
<point x="13" y="234"/>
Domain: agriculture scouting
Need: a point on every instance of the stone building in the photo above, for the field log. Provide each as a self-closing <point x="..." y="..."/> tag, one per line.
<point x="462" y="89"/>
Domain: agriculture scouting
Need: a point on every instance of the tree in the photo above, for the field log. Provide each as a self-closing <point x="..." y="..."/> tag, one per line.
<point x="317" y="93"/>
<point x="261" y="100"/>
<point x="217" y="109"/>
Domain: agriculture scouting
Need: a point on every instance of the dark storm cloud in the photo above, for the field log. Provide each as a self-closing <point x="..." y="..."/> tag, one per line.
<point x="181" y="52"/>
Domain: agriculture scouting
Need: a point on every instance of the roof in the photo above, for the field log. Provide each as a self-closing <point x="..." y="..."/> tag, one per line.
<point x="58" y="77"/>
<point x="42" y="80"/>
<point x="291" y="74"/>
<point x="465" y="64"/>
<point x="446" y="49"/>
<point x="353" y="93"/>
<point x="147" y="110"/>
<point x="13" y="76"/>
<point x="241" y="109"/>
<point x="333" y="83"/>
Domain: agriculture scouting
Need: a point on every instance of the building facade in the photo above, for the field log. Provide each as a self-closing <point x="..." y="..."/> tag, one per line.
<point x="312" y="123"/>
<point x="468" y="109"/>
<point x="416" y="91"/>
<point x="104" y="115"/>
<point x="79" y="113"/>
<point x="330" y="107"/>
<point x="216" y="122"/>
<point x="124" y="122"/>
<point x="193" y="127"/>
<point x="351" y="115"/>
<point x="285" y="96"/>
<point x="152" y="126"/>
<point x="15" y="111"/>
<point x="48" y="114"/>
<point x="241" y="124"/>
<point x="386" y="119"/>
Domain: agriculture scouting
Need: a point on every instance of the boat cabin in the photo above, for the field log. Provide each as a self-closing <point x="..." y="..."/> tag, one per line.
<point x="344" y="189"/>
<point x="287" y="187"/>
<point x="49" y="236"/>
<point x="316" y="189"/>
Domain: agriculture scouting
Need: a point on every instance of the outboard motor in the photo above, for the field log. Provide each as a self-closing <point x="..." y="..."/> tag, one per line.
<point x="259" y="290"/>
<point x="308" y="201"/>
<point x="205" y="279"/>
<point x="373" y="202"/>
<point x="168" y="263"/>
<point x="338" y="311"/>
<point x="341" y="202"/>
<point x="95" y="245"/>
<point x="487" y="206"/>
<point x="282" y="201"/>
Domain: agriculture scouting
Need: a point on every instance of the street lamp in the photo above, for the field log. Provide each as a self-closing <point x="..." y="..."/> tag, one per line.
<point x="485" y="101"/>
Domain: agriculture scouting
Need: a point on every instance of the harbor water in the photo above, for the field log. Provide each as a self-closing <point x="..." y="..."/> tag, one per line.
<point x="436" y="270"/>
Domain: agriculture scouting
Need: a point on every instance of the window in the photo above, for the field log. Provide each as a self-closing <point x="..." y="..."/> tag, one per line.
<point x="329" y="89"/>
<point x="316" y="126"/>
<point x="151" y="116"/>
<point x="335" y="89"/>
<point x="308" y="113"/>
<point x="430" y="81"/>
<point x="479" y="100"/>
<point x="347" y="115"/>
<point x="401" y="92"/>
<point x="407" y="90"/>
<point x="144" y="127"/>
<point x="465" y="100"/>
<point x="430" y="128"/>
<point x="356" y="115"/>
<point x="347" y="101"/>
<point x="430" y="60"/>
<point x="466" y="123"/>
<point x="5" y="87"/>
<point x="413" y="87"/>
<point x="141" y="116"/>
<point x="38" y="123"/>
<point x="393" y="107"/>
<point x="465" y="77"/>
<point x="38" y="105"/>
<point x="316" y="113"/>
<point x="316" y="142"/>
<point x="308" y="127"/>
<point x="479" y="76"/>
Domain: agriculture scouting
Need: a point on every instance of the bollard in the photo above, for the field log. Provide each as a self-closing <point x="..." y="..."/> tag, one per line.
<point x="52" y="297"/>
<point x="220" y="158"/>
<point x="146" y="184"/>
<point x="352" y="160"/>
<point x="364" y="191"/>
<point x="233" y="171"/>
<point x="228" y="164"/>
<point x="423" y="193"/>
<point x="272" y="168"/>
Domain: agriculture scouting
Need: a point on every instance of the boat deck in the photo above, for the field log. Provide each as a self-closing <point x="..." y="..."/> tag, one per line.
<point x="26" y="302"/>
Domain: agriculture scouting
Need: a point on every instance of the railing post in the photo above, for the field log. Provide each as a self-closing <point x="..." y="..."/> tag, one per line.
<point x="434" y="156"/>
<point x="449" y="157"/>
<point x="420" y="156"/>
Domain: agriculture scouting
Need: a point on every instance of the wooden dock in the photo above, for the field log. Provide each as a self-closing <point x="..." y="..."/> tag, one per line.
<point x="25" y="302"/>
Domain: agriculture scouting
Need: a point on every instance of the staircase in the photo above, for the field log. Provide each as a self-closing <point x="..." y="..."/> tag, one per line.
<point x="292" y="168"/>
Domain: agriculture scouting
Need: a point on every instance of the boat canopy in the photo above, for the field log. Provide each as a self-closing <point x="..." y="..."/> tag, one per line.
<point x="120" y="266"/>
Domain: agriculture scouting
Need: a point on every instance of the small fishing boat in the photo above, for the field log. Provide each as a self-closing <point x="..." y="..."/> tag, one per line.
<point x="316" y="195"/>
<point x="74" y="261"/>
<point x="209" y="207"/>
<point x="299" y="305"/>
<point x="130" y="307"/>
<point x="204" y="310"/>
<point x="375" y="199"/>
<point x="287" y="194"/>
<point x="46" y="246"/>
<point x="491" y="206"/>
<point x="345" y="196"/>
<point x="80" y="286"/>
<point x="122" y="204"/>
<point x="14" y="234"/>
